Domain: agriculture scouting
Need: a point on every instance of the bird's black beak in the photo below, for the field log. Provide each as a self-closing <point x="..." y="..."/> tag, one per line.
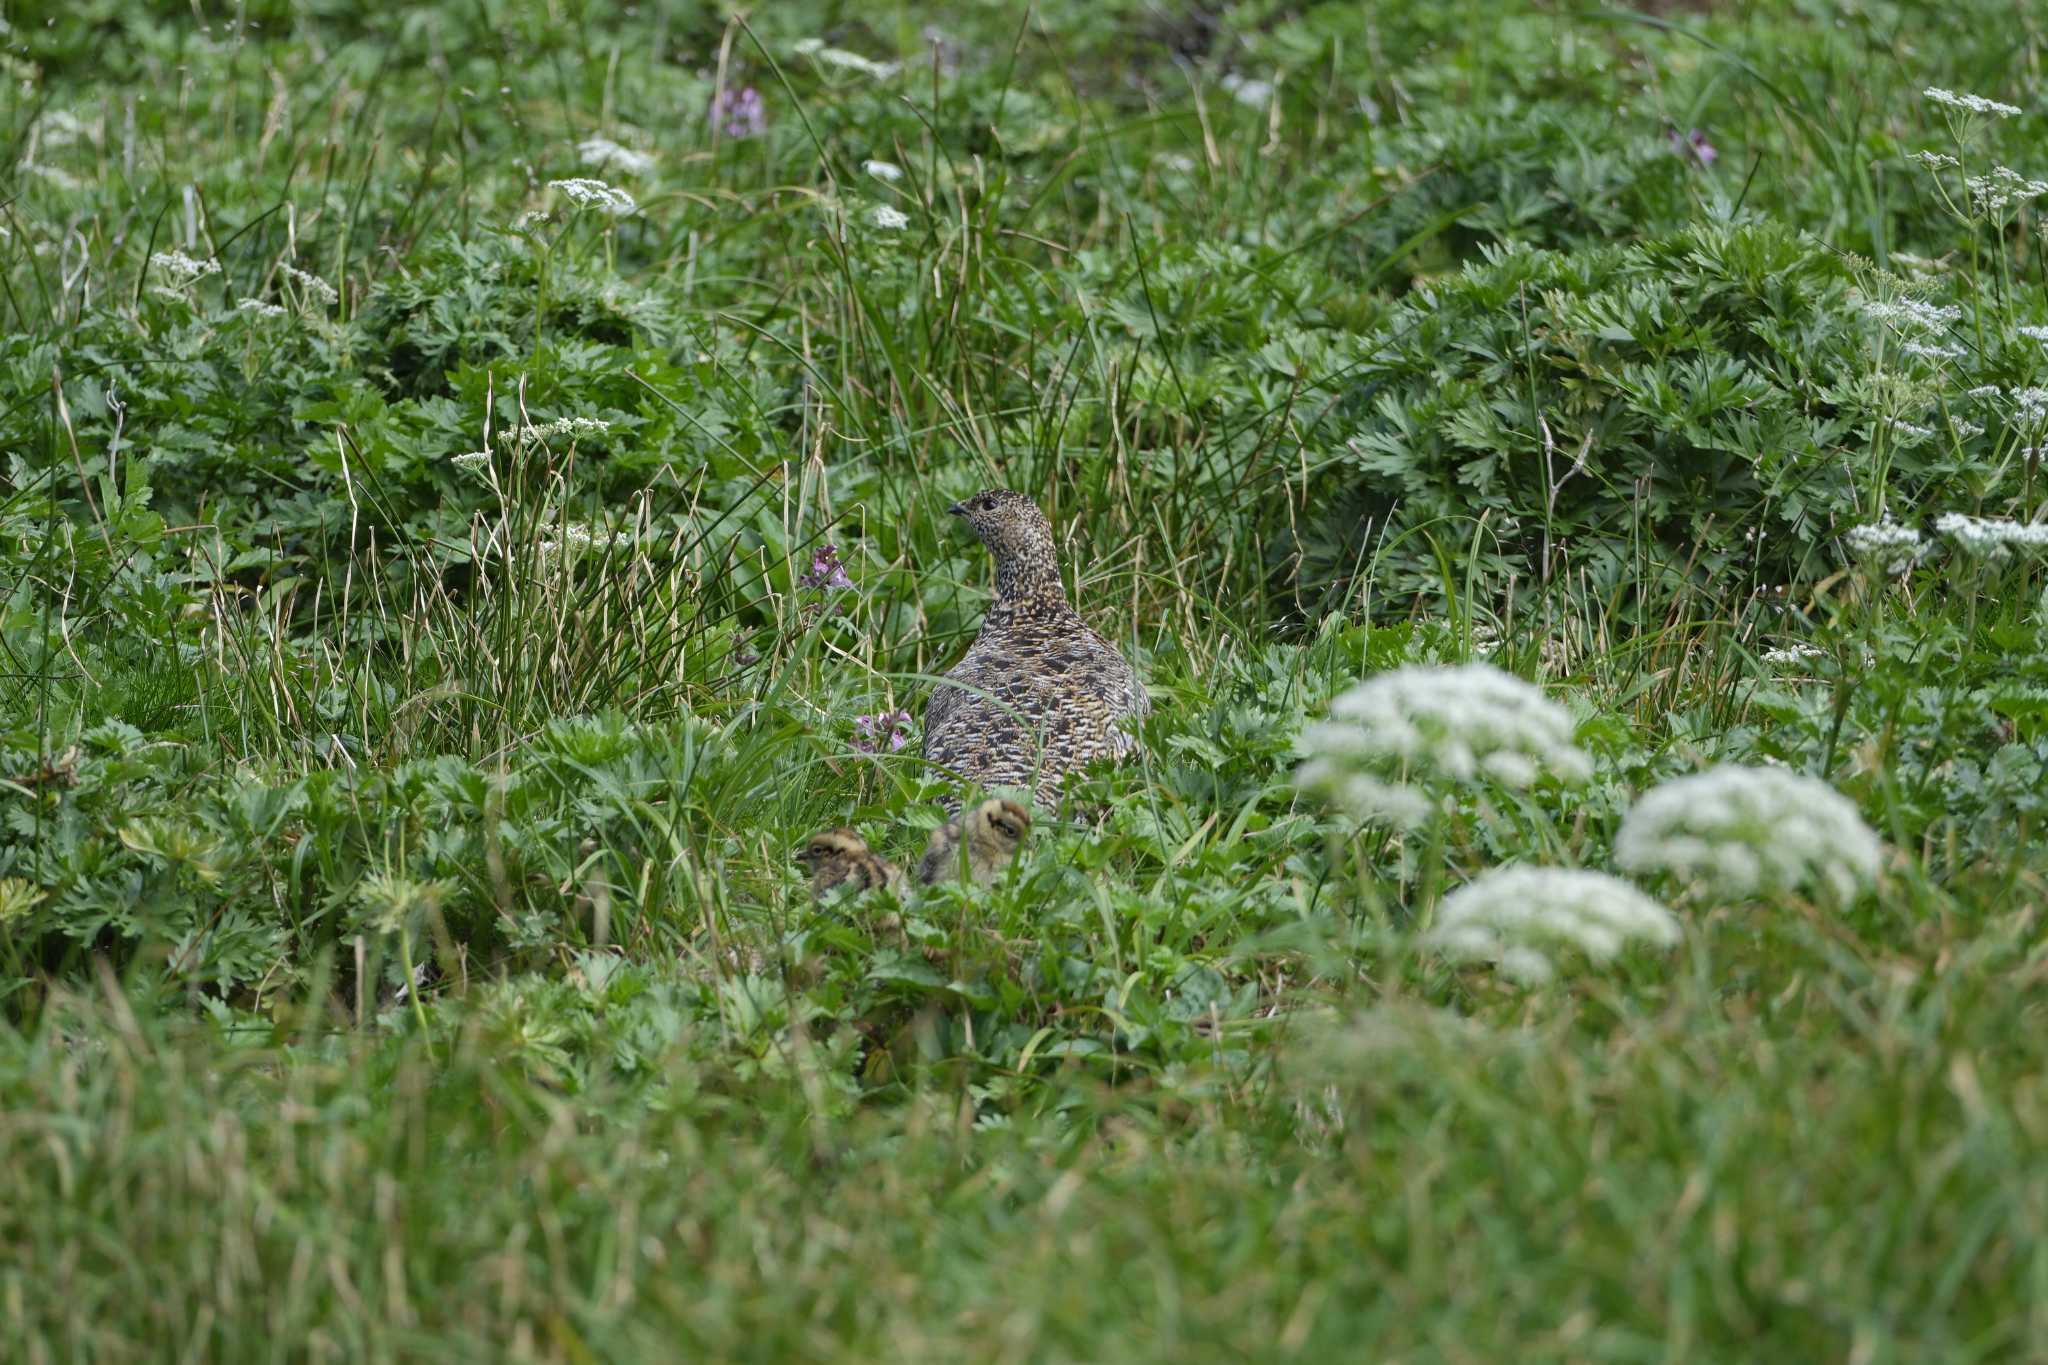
<point x="958" y="509"/>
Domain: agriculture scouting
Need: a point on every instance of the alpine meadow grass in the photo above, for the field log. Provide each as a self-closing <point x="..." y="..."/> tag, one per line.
<point x="474" y="503"/>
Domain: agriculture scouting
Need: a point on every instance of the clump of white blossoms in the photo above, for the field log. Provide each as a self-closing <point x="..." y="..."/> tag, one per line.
<point x="259" y="308"/>
<point x="888" y="219"/>
<point x="1912" y="313"/>
<point x="1394" y="740"/>
<point x="1970" y="104"/>
<point x="597" y="195"/>
<point x="816" y="50"/>
<point x="1742" y="832"/>
<point x="608" y="155"/>
<point x="888" y="172"/>
<point x="312" y="285"/>
<point x="179" y="270"/>
<point x="561" y="426"/>
<point x="1988" y="537"/>
<point x="2004" y="186"/>
<point x="1885" y="546"/>
<point x="1517" y="917"/>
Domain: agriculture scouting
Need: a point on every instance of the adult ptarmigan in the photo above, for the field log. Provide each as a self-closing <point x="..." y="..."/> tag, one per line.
<point x="1039" y="693"/>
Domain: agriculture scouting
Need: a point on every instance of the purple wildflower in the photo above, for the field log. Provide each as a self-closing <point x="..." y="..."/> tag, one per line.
<point x="890" y="727"/>
<point x="826" y="570"/>
<point x="739" y="113"/>
<point x="1695" y="145"/>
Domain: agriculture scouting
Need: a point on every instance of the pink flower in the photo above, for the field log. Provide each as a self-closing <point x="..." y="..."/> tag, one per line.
<point x="890" y="727"/>
<point x="1695" y="145"/>
<point x="739" y="113"/>
<point x="826" y="570"/>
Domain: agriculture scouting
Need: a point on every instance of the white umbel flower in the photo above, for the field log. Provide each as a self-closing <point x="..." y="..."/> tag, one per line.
<point x="608" y="155"/>
<point x="1392" y="737"/>
<point x="180" y="270"/>
<point x="1885" y="546"/>
<point x="1989" y="537"/>
<point x="1517" y="917"/>
<point x="596" y="194"/>
<point x="888" y="219"/>
<point x="887" y="172"/>
<point x="561" y="426"/>
<point x="1970" y="104"/>
<point x="817" y="51"/>
<point x="1742" y="832"/>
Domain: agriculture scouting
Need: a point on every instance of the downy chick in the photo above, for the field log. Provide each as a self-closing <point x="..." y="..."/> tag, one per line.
<point x="840" y="857"/>
<point x="993" y="832"/>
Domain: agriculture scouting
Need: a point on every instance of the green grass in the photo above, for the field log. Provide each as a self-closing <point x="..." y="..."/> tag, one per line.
<point x="400" y="951"/>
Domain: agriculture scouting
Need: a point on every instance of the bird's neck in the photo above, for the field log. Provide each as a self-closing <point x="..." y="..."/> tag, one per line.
<point x="1028" y="584"/>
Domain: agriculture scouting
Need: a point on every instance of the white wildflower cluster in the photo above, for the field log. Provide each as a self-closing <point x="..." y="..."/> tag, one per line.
<point x="2004" y="186"/>
<point x="1251" y="93"/>
<point x="1935" y="161"/>
<point x="596" y="194"/>
<point x="258" y="308"/>
<point x="2034" y="333"/>
<point x="2030" y="406"/>
<point x="888" y="219"/>
<point x="1742" y="832"/>
<point x="888" y="172"/>
<point x="1985" y="391"/>
<point x="1991" y="538"/>
<point x="313" y="285"/>
<point x="1798" y="652"/>
<point x="577" y="538"/>
<point x="1394" y="738"/>
<point x="561" y="426"/>
<point x="608" y="155"/>
<point x="180" y="270"/>
<point x="1516" y="917"/>
<point x="1926" y="317"/>
<point x="1931" y="350"/>
<point x="1911" y="433"/>
<point x="1970" y="104"/>
<point x="1885" y="546"/>
<point x="1965" y="430"/>
<point x="817" y="51"/>
<point x="471" y="460"/>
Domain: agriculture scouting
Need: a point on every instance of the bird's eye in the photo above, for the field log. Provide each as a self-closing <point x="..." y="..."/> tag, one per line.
<point x="985" y="503"/>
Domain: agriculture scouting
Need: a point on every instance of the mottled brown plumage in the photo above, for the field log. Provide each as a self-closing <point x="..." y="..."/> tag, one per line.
<point x="840" y="857"/>
<point x="1039" y="693"/>
<point x="993" y="831"/>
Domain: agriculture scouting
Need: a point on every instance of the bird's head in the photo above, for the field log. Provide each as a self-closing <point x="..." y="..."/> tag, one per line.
<point x="1016" y="533"/>
<point x="1000" y="825"/>
<point x="830" y="846"/>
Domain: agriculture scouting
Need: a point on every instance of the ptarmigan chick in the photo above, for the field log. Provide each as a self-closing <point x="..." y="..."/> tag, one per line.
<point x="1039" y="694"/>
<point x="994" y="831"/>
<point x="840" y="857"/>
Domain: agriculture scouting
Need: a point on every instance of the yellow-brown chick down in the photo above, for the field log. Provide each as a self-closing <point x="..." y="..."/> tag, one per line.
<point x="840" y="857"/>
<point x="992" y="832"/>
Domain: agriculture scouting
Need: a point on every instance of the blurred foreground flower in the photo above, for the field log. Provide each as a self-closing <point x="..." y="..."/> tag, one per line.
<point x="1745" y="832"/>
<point x="1516" y="917"/>
<point x="608" y="155"/>
<point x="892" y="728"/>
<point x="1693" y="144"/>
<point x="1395" y="740"/>
<point x="739" y="113"/>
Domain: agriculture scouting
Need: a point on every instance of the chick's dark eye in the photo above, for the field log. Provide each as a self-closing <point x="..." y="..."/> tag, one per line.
<point x="985" y="503"/>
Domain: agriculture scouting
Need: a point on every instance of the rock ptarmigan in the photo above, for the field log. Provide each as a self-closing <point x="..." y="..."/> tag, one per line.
<point x="1039" y="694"/>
